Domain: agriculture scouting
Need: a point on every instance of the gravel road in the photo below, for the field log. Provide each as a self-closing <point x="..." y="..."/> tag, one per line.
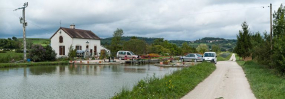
<point x="228" y="81"/>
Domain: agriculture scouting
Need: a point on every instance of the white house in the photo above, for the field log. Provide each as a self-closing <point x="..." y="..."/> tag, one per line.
<point x="81" y="40"/>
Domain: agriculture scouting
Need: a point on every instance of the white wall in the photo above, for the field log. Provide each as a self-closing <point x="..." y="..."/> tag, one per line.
<point x="91" y="44"/>
<point x="67" y="41"/>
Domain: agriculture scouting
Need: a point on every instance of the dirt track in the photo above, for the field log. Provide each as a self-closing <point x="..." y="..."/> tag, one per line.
<point x="228" y="81"/>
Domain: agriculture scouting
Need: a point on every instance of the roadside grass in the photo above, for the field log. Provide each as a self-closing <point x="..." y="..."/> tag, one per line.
<point x="265" y="83"/>
<point x="173" y="86"/>
<point x="7" y="65"/>
<point x="224" y="56"/>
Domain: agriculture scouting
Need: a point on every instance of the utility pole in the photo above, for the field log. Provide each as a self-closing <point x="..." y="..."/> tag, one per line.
<point x="23" y="21"/>
<point x="271" y="25"/>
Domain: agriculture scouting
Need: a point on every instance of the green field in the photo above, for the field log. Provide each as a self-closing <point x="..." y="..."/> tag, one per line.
<point x="172" y="86"/>
<point x="265" y="83"/>
<point x="10" y="55"/>
<point x="41" y="41"/>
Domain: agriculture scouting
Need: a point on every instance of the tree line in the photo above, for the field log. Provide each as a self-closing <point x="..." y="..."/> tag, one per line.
<point x="159" y="46"/>
<point x="258" y="45"/>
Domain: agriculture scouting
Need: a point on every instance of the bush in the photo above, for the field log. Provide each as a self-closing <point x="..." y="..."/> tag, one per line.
<point x="19" y="51"/>
<point x="103" y="54"/>
<point x="40" y="53"/>
<point x="153" y="55"/>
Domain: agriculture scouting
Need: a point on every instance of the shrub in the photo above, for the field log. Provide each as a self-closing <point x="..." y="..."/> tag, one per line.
<point x="40" y="53"/>
<point x="103" y="54"/>
<point x="71" y="53"/>
<point x="153" y="55"/>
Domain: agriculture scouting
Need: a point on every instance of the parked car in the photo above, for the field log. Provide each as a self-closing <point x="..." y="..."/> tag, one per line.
<point x="210" y="57"/>
<point x="192" y="57"/>
<point x="126" y="54"/>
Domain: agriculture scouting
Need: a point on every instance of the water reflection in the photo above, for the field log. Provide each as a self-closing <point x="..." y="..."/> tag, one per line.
<point x="86" y="69"/>
<point x="42" y="70"/>
<point x="73" y="81"/>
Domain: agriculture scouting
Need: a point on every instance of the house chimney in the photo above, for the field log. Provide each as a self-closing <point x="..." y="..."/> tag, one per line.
<point x="72" y="26"/>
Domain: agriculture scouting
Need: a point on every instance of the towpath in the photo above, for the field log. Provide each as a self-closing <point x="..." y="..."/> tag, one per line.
<point x="228" y="81"/>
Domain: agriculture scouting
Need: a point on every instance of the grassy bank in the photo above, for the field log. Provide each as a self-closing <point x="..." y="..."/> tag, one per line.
<point x="3" y="65"/>
<point x="224" y="56"/>
<point x="265" y="83"/>
<point x="9" y="55"/>
<point x="172" y="86"/>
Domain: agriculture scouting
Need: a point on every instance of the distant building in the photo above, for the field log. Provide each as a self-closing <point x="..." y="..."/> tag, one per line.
<point x="84" y="41"/>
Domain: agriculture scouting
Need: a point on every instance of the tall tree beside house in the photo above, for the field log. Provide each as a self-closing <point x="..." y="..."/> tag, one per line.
<point x="243" y="42"/>
<point x="116" y="42"/>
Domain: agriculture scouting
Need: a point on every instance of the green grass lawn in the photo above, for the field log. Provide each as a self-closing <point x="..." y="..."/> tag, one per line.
<point x="172" y="86"/>
<point x="265" y="83"/>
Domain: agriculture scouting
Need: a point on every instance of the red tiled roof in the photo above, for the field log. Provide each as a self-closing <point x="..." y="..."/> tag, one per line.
<point x="78" y="33"/>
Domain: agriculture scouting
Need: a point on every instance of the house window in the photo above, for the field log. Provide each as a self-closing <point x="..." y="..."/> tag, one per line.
<point x="78" y="47"/>
<point x="95" y="50"/>
<point x="61" y="50"/>
<point x="60" y="39"/>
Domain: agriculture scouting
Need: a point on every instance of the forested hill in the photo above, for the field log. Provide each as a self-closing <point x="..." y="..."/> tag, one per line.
<point x="148" y="40"/>
<point x="225" y="44"/>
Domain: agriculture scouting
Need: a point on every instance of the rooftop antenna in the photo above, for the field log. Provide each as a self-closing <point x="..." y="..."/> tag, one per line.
<point x="23" y="21"/>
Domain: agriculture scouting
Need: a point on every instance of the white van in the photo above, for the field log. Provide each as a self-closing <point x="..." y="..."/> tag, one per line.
<point x="126" y="54"/>
<point x="210" y="57"/>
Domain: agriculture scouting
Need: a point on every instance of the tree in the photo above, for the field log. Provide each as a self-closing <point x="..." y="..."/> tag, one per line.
<point x="279" y="40"/>
<point x="243" y="44"/>
<point x="136" y="45"/>
<point x="202" y="48"/>
<point x="116" y="42"/>
<point x="185" y="48"/>
<point x="216" y="48"/>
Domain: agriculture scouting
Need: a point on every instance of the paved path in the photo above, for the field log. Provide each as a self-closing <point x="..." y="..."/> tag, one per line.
<point x="228" y="81"/>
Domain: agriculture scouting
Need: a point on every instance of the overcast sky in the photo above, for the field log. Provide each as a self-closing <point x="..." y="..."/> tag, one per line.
<point x="169" y="19"/>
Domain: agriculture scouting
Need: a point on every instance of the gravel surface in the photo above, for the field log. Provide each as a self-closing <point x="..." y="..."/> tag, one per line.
<point x="228" y="81"/>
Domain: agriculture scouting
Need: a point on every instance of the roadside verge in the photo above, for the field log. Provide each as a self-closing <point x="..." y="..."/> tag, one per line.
<point x="265" y="83"/>
<point x="172" y="86"/>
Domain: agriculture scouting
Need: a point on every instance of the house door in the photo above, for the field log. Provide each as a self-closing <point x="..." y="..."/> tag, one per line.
<point x="95" y="50"/>
<point x="91" y="52"/>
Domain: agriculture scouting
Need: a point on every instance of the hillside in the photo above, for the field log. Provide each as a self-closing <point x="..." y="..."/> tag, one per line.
<point x="225" y="44"/>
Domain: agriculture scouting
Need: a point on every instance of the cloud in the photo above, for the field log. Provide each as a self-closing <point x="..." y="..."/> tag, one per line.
<point x="179" y="19"/>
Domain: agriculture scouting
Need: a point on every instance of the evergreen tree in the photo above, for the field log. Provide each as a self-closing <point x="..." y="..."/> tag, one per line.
<point x="278" y="58"/>
<point x="243" y="42"/>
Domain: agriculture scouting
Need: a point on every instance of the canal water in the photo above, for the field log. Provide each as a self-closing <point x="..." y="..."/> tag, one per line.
<point x="73" y="82"/>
